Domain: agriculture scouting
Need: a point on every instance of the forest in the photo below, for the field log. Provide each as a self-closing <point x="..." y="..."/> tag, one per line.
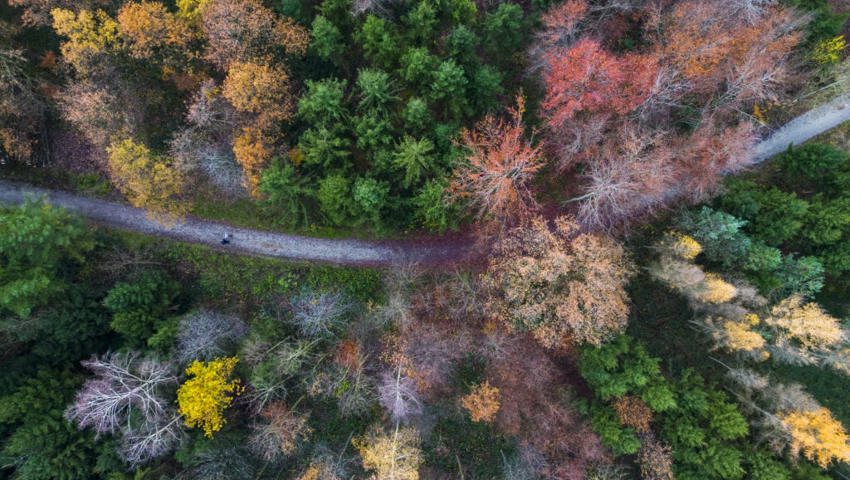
<point x="625" y="292"/>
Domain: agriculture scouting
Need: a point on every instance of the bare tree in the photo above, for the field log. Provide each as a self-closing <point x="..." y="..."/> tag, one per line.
<point x="317" y="314"/>
<point x="397" y="393"/>
<point x="128" y="386"/>
<point x="279" y="434"/>
<point x="206" y="334"/>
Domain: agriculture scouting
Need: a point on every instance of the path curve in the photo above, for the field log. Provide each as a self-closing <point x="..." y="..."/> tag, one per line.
<point x="805" y="127"/>
<point x="360" y="252"/>
<point x="271" y="244"/>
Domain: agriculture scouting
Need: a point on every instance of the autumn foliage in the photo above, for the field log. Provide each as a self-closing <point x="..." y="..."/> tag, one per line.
<point x="818" y="436"/>
<point x="482" y="402"/>
<point x="586" y="78"/>
<point x="203" y="398"/>
<point x="563" y="286"/>
<point x="499" y="167"/>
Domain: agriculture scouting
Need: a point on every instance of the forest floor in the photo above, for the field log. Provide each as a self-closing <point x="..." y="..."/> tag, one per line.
<point x="425" y="251"/>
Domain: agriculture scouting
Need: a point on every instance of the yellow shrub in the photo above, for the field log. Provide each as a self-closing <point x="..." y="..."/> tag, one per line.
<point x="715" y="290"/>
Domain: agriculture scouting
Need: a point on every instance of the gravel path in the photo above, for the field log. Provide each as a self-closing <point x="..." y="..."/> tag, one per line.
<point x="292" y="247"/>
<point x="806" y="126"/>
<point x="358" y="252"/>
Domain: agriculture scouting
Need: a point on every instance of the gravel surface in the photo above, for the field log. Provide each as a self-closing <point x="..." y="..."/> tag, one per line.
<point x="805" y="127"/>
<point x="293" y="247"/>
<point x="359" y="252"/>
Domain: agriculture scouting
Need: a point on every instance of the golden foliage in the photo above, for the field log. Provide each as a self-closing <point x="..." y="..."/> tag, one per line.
<point x="252" y="152"/>
<point x="260" y="89"/>
<point x="88" y="33"/>
<point x="806" y="324"/>
<point x="148" y="181"/>
<point x="562" y="286"/>
<point x="203" y="398"/>
<point x="739" y="336"/>
<point x="714" y="289"/>
<point x="829" y="51"/>
<point x="818" y="435"/>
<point x="393" y="456"/>
<point x="482" y="402"/>
<point x="633" y="412"/>
<point x="681" y="245"/>
<point x="148" y="28"/>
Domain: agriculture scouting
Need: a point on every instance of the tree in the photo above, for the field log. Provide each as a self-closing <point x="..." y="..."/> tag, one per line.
<point x="334" y="198"/>
<point x="245" y="30"/>
<point x="152" y="31"/>
<point x="37" y="242"/>
<point x="433" y="210"/>
<point x="203" y="398"/>
<point x="498" y="169"/>
<point x="148" y="181"/>
<point x="89" y="35"/>
<point x="140" y="307"/>
<point x="37" y="12"/>
<point x="623" y="367"/>
<point x="259" y="89"/>
<point x="22" y="111"/>
<point x="415" y="158"/>
<point x="482" y="402"/>
<point x="285" y="193"/>
<point x="38" y="443"/>
<point x="656" y="460"/>
<point x="503" y="28"/>
<point x="397" y="394"/>
<point x="317" y="314"/>
<point x="394" y="456"/>
<point x="377" y="39"/>
<point x="280" y="433"/>
<point x="327" y="40"/>
<point x="376" y="90"/>
<point x="818" y="436"/>
<point x="325" y="147"/>
<point x="773" y="215"/>
<point x="323" y="104"/>
<point x="633" y="412"/>
<point x="370" y="199"/>
<point x="563" y="286"/>
<point x="449" y="85"/>
<point x="719" y="235"/>
<point x="416" y="115"/>
<point x="206" y="334"/>
<point x="417" y="67"/>
<point x="127" y="398"/>
<point x="253" y="150"/>
<point x="586" y="78"/>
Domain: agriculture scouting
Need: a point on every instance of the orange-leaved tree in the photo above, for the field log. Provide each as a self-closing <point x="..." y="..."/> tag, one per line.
<point x="499" y="167"/>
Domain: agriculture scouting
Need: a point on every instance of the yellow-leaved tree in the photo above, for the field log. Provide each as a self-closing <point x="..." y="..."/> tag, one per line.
<point x="203" y="398"/>
<point x="148" y="181"/>
<point x="818" y="436"/>
<point x="88" y="33"/>
<point x="394" y="456"/>
<point x="150" y="30"/>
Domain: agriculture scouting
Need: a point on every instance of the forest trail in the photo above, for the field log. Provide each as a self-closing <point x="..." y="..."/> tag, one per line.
<point x="434" y="251"/>
<point x="805" y="127"/>
<point x="242" y="240"/>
